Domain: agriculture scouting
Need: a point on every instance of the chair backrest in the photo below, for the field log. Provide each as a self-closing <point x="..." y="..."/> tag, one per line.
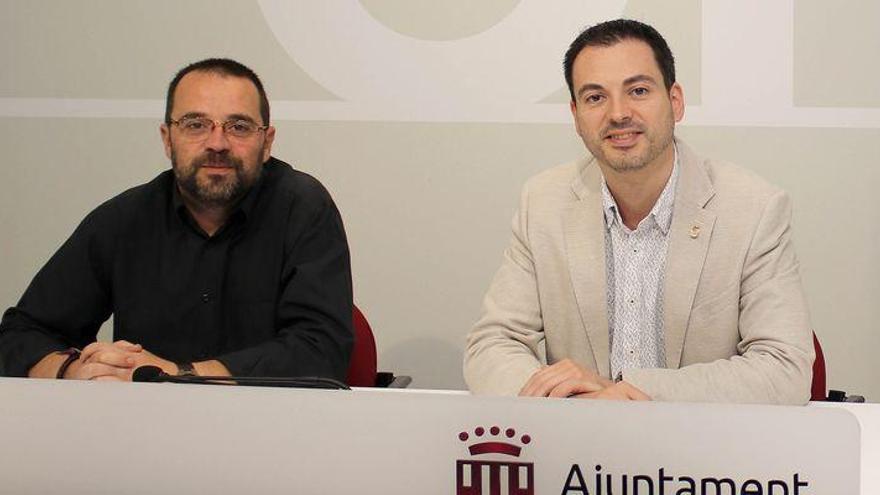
<point x="818" y="391"/>
<point x="362" y="370"/>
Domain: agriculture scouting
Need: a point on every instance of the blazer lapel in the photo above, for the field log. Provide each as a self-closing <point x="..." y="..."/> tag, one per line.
<point x="584" y="227"/>
<point x="689" y="237"/>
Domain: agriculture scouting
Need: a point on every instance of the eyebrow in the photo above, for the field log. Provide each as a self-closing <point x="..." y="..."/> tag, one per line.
<point x="639" y="78"/>
<point x="241" y="116"/>
<point x="233" y="117"/>
<point x="191" y="115"/>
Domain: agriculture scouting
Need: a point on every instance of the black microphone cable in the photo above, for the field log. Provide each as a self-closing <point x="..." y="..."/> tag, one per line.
<point x="156" y="375"/>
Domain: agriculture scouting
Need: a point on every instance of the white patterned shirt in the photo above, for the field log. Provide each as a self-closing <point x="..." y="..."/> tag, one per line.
<point x="635" y="263"/>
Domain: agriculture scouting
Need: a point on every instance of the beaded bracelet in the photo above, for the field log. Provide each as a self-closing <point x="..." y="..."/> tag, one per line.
<point x="72" y="355"/>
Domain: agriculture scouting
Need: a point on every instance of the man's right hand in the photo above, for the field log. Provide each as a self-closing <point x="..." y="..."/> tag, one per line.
<point x="98" y="361"/>
<point x="563" y="379"/>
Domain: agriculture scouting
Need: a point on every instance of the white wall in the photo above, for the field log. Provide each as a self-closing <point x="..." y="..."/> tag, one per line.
<point x="423" y="118"/>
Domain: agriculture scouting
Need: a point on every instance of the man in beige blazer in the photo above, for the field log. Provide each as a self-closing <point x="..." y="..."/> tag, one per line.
<point x="724" y="319"/>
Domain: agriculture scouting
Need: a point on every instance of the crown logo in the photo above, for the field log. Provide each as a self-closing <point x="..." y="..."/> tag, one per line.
<point x="494" y="441"/>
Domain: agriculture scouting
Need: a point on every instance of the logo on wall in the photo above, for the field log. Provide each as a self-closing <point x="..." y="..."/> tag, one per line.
<point x="493" y="464"/>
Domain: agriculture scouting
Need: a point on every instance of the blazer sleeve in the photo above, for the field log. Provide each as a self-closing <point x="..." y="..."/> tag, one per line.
<point x="775" y="353"/>
<point x="502" y="349"/>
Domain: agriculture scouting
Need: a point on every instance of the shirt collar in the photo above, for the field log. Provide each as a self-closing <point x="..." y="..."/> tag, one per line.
<point x="661" y="213"/>
<point x="246" y="205"/>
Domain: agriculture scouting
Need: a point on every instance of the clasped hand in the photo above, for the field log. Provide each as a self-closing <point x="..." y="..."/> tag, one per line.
<point x="115" y="361"/>
<point x="567" y="378"/>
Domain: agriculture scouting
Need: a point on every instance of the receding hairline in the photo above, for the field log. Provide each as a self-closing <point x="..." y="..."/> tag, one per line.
<point x="221" y="67"/>
<point x="217" y="72"/>
<point x="220" y="73"/>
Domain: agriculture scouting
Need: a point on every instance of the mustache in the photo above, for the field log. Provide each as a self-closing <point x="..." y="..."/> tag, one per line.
<point x="216" y="159"/>
<point x="625" y="125"/>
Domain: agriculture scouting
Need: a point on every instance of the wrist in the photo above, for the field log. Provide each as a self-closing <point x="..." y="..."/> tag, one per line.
<point x="185" y="368"/>
<point x="71" y="372"/>
<point x="166" y="365"/>
<point x="211" y="367"/>
<point x="169" y="367"/>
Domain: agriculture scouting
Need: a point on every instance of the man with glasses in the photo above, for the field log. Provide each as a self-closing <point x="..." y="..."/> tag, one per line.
<point x="230" y="263"/>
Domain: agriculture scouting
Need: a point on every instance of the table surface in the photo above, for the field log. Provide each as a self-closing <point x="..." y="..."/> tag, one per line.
<point x="87" y="437"/>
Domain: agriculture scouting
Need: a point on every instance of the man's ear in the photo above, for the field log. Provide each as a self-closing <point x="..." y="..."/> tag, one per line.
<point x="267" y="146"/>
<point x="165" y="132"/>
<point x="572" y="105"/>
<point x="676" y="96"/>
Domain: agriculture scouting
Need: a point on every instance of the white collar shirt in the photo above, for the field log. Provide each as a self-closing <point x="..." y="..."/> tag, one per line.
<point x="635" y="263"/>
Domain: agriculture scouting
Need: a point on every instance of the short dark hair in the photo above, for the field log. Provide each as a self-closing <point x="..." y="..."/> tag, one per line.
<point x="612" y="32"/>
<point x="224" y="67"/>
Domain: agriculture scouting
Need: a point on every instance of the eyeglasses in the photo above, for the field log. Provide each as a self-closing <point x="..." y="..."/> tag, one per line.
<point x="199" y="128"/>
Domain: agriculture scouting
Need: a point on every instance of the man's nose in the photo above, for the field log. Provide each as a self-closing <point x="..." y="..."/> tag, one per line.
<point x="619" y="111"/>
<point x="217" y="140"/>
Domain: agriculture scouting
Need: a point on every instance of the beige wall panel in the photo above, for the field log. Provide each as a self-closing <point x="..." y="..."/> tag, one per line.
<point x="836" y="49"/>
<point x="427" y="204"/>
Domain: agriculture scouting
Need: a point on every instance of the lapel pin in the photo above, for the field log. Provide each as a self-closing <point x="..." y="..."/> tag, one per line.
<point x="695" y="231"/>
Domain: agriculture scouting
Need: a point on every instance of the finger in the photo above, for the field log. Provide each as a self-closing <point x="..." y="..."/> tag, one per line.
<point x="528" y="389"/>
<point x="549" y="377"/>
<point x="90" y="354"/>
<point x="574" y="387"/>
<point x="588" y="395"/>
<point x="91" y="371"/>
<point x="107" y="378"/>
<point x="556" y="374"/>
<point x="562" y="390"/>
<point x="128" y="346"/>
<point x="604" y="394"/>
<point x="112" y="358"/>
<point x="622" y="391"/>
<point x="542" y="382"/>
<point x="571" y="369"/>
<point x="91" y="349"/>
<point x="96" y="347"/>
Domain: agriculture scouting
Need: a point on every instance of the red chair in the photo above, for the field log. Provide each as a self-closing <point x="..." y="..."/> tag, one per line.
<point x="362" y="369"/>
<point x="818" y="390"/>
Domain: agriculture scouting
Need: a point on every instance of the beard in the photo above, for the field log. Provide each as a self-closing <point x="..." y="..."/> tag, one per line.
<point x="656" y="142"/>
<point x="215" y="190"/>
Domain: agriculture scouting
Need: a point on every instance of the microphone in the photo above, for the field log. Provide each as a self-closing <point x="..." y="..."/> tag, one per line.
<point x="148" y="374"/>
<point x="154" y="374"/>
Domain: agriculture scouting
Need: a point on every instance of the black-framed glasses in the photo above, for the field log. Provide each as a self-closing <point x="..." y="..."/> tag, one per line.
<point x="199" y="128"/>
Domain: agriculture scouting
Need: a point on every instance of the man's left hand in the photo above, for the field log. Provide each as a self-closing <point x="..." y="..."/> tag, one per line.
<point x="563" y="379"/>
<point x="618" y="391"/>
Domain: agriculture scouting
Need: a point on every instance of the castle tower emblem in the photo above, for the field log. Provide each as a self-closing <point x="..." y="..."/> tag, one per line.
<point x="492" y="468"/>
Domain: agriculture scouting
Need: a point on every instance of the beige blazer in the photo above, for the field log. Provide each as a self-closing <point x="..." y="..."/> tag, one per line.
<point x="735" y="320"/>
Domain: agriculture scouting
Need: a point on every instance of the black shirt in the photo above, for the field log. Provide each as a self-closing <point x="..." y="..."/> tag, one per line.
<point x="268" y="295"/>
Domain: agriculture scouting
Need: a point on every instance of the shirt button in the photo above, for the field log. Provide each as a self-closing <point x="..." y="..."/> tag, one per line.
<point x="206" y="296"/>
